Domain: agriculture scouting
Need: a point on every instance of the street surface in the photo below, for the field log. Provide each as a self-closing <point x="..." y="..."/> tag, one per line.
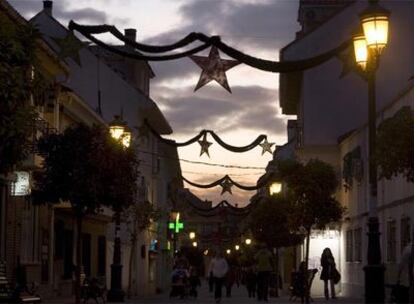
<point x="239" y="297"/>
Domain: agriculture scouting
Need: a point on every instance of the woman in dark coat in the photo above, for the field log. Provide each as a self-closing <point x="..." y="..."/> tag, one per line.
<point x="328" y="269"/>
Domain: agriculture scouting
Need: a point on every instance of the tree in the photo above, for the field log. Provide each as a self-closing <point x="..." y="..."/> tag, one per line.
<point x="395" y="145"/>
<point x="17" y="60"/>
<point x="311" y="190"/>
<point x="87" y="168"/>
<point x="269" y="224"/>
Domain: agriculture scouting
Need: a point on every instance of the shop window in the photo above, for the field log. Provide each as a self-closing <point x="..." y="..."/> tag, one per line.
<point x="68" y="254"/>
<point x="358" y="245"/>
<point x="101" y="255"/>
<point x="86" y="254"/>
<point x="29" y="250"/>
<point x="405" y="232"/>
<point x="349" y="246"/>
<point x="391" y="241"/>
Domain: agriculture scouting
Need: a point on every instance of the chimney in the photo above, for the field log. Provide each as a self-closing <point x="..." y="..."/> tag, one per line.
<point x="47" y="7"/>
<point x="131" y="34"/>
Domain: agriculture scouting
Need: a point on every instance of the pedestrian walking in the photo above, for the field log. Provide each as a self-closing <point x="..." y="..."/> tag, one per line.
<point x="251" y="282"/>
<point x="329" y="272"/>
<point x="264" y="266"/>
<point x="230" y="280"/>
<point x="218" y="268"/>
<point x="210" y="282"/>
<point x="195" y="282"/>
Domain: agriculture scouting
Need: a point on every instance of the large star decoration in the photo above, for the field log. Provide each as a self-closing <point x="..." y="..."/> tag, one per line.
<point x="204" y="145"/>
<point x="69" y="47"/>
<point x="214" y="68"/>
<point x="226" y="184"/>
<point x="266" y="146"/>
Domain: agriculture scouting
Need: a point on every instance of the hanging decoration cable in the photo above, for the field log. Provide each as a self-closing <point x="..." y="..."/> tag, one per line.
<point x="261" y="140"/>
<point x="258" y="63"/>
<point x="226" y="182"/>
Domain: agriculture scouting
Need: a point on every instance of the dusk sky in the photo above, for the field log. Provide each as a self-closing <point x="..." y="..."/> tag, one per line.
<point x="257" y="27"/>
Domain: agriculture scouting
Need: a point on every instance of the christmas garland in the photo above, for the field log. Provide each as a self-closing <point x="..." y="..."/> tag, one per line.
<point x="204" y="133"/>
<point x="220" y="182"/>
<point x="258" y="63"/>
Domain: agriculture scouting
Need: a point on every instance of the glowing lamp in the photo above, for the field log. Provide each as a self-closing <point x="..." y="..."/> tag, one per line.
<point x="117" y="127"/>
<point x="275" y="188"/>
<point x="195" y="244"/>
<point x="228" y="251"/>
<point x="126" y="137"/>
<point x="192" y="235"/>
<point x="375" y="23"/>
<point x="248" y="241"/>
<point x="237" y="247"/>
<point x="360" y="50"/>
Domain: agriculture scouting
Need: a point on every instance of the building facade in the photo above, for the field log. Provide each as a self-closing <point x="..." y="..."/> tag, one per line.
<point x="331" y="105"/>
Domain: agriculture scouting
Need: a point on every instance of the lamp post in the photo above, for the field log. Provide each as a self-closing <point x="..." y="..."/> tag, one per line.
<point x="368" y="47"/>
<point x="119" y="131"/>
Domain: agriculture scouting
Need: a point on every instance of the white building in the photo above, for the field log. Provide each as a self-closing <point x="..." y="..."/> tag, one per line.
<point x="117" y="86"/>
<point x="331" y="115"/>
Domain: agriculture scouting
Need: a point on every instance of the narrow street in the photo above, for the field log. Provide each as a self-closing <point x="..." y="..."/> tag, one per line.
<point x="239" y="297"/>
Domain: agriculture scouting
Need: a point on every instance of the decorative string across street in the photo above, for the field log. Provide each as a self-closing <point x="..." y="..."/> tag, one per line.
<point x="226" y="182"/>
<point x="266" y="65"/>
<point x="261" y="141"/>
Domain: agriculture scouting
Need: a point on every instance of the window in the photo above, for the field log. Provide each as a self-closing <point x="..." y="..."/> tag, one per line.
<point x="405" y="232"/>
<point x="29" y="250"/>
<point x="391" y="241"/>
<point x="101" y="255"/>
<point x="86" y="254"/>
<point x="358" y="245"/>
<point x="349" y="246"/>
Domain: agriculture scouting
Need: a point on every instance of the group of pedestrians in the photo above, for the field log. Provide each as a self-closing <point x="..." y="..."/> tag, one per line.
<point x="256" y="278"/>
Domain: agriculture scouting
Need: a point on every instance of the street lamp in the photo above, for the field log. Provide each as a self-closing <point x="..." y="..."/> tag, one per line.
<point x="275" y="188"/>
<point x="126" y="137"/>
<point x="195" y="244"/>
<point x="237" y="247"/>
<point x="119" y="130"/>
<point x="248" y="241"/>
<point x="375" y="22"/>
<point x="228" y="251"/>
<point x="116" y="127"/>
<point x="192" y="235"/>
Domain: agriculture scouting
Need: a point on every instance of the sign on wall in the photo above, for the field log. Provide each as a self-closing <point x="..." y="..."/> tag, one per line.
<point x="21" y="186"/>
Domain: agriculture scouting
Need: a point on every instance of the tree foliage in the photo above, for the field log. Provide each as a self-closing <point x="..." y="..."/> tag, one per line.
<point x="17" y="59"/>
<point x="87" y="168"/>
<point x="311" y="190"/>
<point x="269" y="223"/>
<point x="395" y="145"/>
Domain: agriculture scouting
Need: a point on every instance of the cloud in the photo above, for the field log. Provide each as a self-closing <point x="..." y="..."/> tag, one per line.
<point x="249" y="107"/>
<point x="85" y="15"/>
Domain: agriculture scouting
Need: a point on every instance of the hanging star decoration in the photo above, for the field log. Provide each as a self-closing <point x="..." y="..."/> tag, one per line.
<point x="266" y="146"/>
<point x="69" y="47"/>
<point x="214" y="68"/>
<point x="204" y="145"/>
<point x="226" y="184"/>
<point x="349" y="65"/>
